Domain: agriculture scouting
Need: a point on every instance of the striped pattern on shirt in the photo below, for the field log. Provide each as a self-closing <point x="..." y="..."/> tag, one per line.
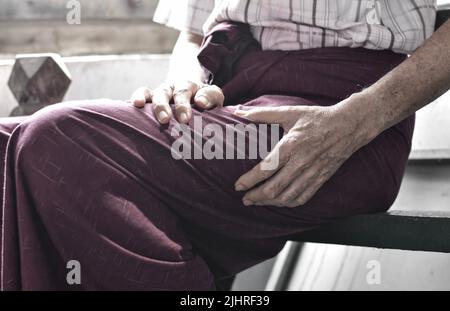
<point x="398" y="25"/>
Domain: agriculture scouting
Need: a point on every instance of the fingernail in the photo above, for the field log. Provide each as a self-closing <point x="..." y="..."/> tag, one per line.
<point x="162" y="116"/>
<point x="239" y="187"/>
<point x="183" y="117"/>
<point x="247" y="202"/>
<point x="239" y="112"/>
<point x="203" y="102"/>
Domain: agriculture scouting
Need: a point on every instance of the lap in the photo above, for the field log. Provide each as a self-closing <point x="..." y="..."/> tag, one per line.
<point x="132" y="139"/>
<point x="108" y="152"/>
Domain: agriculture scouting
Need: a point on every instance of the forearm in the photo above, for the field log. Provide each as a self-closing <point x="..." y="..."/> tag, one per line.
<point x="413" y="84"/>
<point x="183" y="62"/>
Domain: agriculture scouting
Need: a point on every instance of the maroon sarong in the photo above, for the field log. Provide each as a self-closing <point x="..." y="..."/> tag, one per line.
<point x="94" y="181"/>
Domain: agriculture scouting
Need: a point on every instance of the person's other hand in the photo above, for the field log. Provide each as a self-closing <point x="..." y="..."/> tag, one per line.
<point x="182" y="95"/>
<point x="316" y="143"/>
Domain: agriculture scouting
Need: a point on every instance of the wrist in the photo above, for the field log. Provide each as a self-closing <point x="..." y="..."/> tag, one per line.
<point x="360" y="110"/>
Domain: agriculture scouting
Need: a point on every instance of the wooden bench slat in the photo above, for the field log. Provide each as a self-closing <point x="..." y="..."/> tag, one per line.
<point x="416" y="231"/>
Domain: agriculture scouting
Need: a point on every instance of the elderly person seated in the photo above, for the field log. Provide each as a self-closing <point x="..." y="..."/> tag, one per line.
<point x="99" y="182"/>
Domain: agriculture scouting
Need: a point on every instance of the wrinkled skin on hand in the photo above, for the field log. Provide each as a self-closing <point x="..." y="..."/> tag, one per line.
<point x="316" y="142"/>
<point x="182" y="95"/>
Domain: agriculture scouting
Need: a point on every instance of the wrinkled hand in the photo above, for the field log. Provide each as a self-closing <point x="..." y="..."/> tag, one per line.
<point x="181" y="94"/>
<point x="316" y="142"/>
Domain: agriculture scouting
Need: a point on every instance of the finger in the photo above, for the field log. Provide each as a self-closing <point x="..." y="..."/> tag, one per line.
<point x="309" y="192"/>
<point x="314" y="186"/>
<point x="161" y="99"/>
<point x="275" y="160"/>
<point x="299" y="179"/>
<point x="291" y="196"/>
<point x="209" y="96"/>
<point x="182" y="96"/>
<point x="273" y="187"/>
<point x="306" y="185"/>
<point x="310" y="176"/>
<point x="270" y="115"/>
<point x="141" y="96"/>
<point x="274" y="202"/>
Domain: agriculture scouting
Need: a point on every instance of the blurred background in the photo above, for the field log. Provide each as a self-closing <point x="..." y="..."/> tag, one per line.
<point x="106" y="27"/>
<point x="115" y="47"/>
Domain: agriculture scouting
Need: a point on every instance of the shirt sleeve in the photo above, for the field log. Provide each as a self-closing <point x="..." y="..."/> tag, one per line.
<point x="183" y="15"/>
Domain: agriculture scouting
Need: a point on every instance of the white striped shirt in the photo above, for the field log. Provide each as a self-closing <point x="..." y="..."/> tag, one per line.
<point x="398" y="25"/>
